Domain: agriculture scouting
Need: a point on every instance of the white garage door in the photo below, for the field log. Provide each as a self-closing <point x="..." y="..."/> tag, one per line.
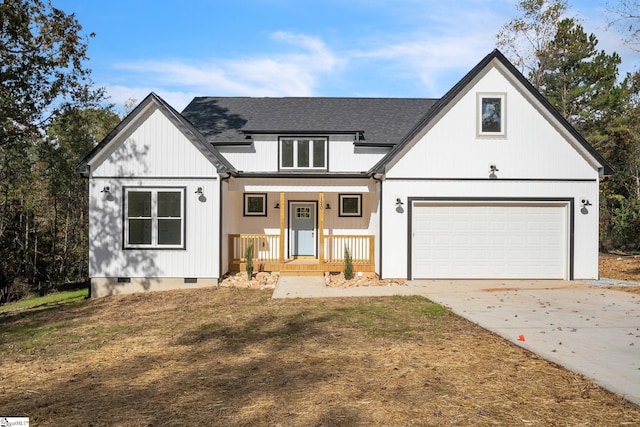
<point x="487" y="241"/>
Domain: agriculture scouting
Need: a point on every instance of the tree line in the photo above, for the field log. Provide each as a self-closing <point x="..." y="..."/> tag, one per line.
<point x="51" y="115"/>
<point x="562" y="60"/>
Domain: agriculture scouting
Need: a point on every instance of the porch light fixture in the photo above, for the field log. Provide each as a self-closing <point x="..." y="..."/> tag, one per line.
<point x="328" y="206"/>
<point x="492" y="171"/>
<point x="277" y="206"/>
<point x="585" y="203"/>
<point x="201" y="196"/>
<point x="399" y="203"/>
<point x="107" y="191"/>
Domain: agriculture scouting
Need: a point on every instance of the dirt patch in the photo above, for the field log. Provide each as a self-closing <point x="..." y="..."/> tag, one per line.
<point x="230" y="357"/>
<point x="620" y="267"/>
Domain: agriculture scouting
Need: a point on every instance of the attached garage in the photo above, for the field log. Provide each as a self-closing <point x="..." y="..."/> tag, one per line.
<point x="486" y="239"/>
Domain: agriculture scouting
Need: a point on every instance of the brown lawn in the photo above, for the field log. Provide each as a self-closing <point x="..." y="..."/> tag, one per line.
<point x="232" y="357"/>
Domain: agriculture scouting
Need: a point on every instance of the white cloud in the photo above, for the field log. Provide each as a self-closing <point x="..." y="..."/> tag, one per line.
<point x="293" y="73"/>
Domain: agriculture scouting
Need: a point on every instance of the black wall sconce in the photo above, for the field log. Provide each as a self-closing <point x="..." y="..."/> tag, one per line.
<point x="328" y="206"/>
<point x="277" y="206"/>
<point x="492" y="171"/>
<point x="107" y="191"/>
<point x="399" y="204"/>
<point x="201" y="195"/>
<point x="585" y="203"/>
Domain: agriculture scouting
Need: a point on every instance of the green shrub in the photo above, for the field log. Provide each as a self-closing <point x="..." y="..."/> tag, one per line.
<point x="248" y="255"/>
<point x="348" y="264"/>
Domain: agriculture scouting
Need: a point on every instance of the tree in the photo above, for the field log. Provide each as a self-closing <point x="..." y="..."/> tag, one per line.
<point x="42" y="79"/>
<point x="577" y="79"/>
<point x="525" y="39"/>
<point x="71" y="135"/>
<point x="41" y="63"/>
<point x="625" y="16"/>
<point x="582" y="83"/>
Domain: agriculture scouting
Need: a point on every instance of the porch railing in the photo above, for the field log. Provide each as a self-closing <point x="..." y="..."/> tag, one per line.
<point x="266" y="248"/>
<point x="360" y="247"/>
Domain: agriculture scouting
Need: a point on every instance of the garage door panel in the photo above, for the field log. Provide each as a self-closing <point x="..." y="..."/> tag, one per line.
<point x="491" y="241"/>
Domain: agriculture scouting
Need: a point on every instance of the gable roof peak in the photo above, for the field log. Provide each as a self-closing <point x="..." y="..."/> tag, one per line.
<point x="461" y="85"/>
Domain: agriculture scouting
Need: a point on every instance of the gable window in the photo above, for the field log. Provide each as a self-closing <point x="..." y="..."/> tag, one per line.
<point x="299" y="153"/>
<point x="154" y="218"/>
<point x="491" y="114"/>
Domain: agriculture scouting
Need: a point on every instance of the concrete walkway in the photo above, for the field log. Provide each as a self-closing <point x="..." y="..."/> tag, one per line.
<point x="587" y="329"/>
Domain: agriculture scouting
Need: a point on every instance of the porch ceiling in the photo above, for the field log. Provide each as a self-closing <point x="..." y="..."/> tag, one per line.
<point x="298" y="185"/>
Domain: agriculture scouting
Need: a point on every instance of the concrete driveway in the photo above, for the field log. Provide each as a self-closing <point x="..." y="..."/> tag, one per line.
<point x="587" y="329"/>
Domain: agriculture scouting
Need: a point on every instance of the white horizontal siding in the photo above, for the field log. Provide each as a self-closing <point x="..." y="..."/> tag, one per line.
<point x="533" y="146"/>
<point x="107" y="258"/>
<point x="345" y="157"/>
<point x="152" y="147"/>
<point x="263" y="155"/>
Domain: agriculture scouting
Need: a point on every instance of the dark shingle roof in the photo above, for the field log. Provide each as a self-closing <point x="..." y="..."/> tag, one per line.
<point x="227" y="120"/>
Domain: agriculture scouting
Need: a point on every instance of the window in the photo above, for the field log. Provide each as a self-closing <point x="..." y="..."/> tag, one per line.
<point x="302" y="212"/>
<point x="303" y="153"/>
<point x="255" y="204"/>
<point x="154" y="218"/>
<point x="491" y="114"/>
<point x="350" y="204"/>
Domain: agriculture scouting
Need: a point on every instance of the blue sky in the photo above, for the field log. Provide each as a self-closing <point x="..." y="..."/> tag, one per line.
<point x="360" y="48"/>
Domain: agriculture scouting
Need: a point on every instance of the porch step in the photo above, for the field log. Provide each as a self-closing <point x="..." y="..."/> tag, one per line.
<point x="301" y="272"/>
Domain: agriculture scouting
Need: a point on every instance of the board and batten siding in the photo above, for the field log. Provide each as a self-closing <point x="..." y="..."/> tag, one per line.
<point x="263" y="156"/>
<point x="533" y="148"/>
<point x="153" y="147"/>
<point x="536" y="159"/>
<point x="108" y="258"/>
<point x="395" y="238"/>
<point x="152" y="153"/>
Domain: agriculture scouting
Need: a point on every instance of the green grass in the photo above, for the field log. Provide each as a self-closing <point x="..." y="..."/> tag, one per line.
<point x="59" y="298"/>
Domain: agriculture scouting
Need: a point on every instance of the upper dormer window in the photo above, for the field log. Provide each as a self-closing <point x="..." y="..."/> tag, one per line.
<point x="303" y="153"/>
<point x="491" y="114"/>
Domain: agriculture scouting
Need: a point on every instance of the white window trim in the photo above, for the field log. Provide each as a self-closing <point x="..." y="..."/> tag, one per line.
<point x="503" y="114"/>
<point x="295" y="152"/>
<point x="154" y="217"/>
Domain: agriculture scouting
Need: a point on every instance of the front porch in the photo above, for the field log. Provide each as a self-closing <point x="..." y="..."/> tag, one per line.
<point x="269" y="254"/>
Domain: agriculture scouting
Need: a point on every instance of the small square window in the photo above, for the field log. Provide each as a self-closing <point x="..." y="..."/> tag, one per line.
<point x="303" y="212"/>
<point x="255" y="204"/>
<point x="350" y="204"/>
<point x="491" y="114"/>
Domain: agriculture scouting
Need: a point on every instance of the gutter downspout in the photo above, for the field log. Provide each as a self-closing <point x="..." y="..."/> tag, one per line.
<point x="220" y="273"/>
<point x="378" y="180"/>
